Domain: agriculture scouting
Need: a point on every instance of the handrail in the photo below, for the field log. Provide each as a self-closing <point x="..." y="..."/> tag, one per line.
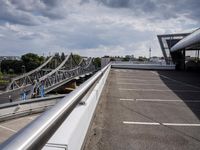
<point x="36" y="134"/>
<point x="35" y="100"/>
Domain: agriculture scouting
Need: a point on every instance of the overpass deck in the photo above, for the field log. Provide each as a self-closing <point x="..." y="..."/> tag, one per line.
<point x="8" y="128"/>
<point x="147" y="110"/>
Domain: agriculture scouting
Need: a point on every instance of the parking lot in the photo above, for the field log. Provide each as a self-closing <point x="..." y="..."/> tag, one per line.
<point x="141" y="109"/>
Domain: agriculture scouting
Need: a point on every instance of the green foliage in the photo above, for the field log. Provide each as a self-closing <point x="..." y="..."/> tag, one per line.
<point x="97" y="62"/>
<point x="126" y="58"/>
<point x="31" y="61"/>
<point x="11" y="66"/>
<point x="142" y="58"/>
<point x="112" y="59"/>
<point x="77" y="58"/>
<point x="62" y="56"/>
<point x="1" y="75"/>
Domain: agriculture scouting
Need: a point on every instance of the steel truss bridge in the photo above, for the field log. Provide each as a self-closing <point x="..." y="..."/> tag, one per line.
<point x="50" y="75"/>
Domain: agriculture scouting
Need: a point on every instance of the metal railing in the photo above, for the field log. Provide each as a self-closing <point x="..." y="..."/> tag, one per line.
<point x="22" y="108"/>
<point x="36" y="134"/>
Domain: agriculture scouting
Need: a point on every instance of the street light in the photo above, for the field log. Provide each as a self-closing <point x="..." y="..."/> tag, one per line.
<point x="23" y="69"/>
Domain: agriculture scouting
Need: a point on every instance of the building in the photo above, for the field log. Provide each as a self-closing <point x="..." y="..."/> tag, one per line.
<point x="177" y="47"/>
<point x="9" y="58"/>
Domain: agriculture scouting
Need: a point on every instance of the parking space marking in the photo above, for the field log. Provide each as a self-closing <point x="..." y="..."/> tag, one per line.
<point x="160" y="100"/>
<point x="159" y="84"/>
<point x="138" y="77"/>
<point x="182" y="124"/>
<point x="123" y="99"/>
<point x="157" y="90"/>
<point x="165" y="124"/>
<point x="167" y="100"/>
<point x="3" y="127"/>
<point x="141" y="123"/>
<point x="128" y="79"/>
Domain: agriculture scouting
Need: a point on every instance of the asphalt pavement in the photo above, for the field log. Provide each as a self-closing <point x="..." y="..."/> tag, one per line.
<point x="147" y="110"/>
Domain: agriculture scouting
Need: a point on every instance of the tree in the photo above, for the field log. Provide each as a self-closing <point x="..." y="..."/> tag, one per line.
<point x="97" y="62"/>
<point x="77" y="58"/>
<point x="11" y="66"/>
<point x="62" y="56"/>
<point x="31" y="61"/>
<point x="142" y="58"/>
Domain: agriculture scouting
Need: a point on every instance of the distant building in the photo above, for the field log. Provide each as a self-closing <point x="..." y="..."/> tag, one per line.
<point x="9" y="58"/>
<point x="104" y="61"/>
<point x="178" y="48"/>
<point x="159" y="60"/>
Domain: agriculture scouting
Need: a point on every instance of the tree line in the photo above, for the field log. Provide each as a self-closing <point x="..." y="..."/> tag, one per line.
<point x="27" y="63"/>
<point x="31" y="61"/>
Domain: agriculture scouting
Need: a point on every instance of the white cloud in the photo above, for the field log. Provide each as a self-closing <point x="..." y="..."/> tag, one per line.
<point x="92" y="28"/>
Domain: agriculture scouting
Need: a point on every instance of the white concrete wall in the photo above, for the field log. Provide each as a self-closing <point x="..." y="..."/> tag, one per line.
<point x="72" y="132"/>
<point x="143" y="66"/>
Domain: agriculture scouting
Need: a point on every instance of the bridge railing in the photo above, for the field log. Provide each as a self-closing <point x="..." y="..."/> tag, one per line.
<point x="22" y="108"/>
<point x="36" y="134"/>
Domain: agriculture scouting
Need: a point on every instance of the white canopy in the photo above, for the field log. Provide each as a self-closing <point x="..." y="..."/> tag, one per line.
<point x="189" y="40"/>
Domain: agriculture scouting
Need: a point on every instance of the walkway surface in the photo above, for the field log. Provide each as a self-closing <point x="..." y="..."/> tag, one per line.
<point x="8" y="128"/>
<point x="151" y="110"/>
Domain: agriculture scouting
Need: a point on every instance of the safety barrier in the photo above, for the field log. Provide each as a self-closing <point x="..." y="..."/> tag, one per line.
<point x="22" y="108"/>
<point x="72" y="132"/>
<point x="129" y="65"/>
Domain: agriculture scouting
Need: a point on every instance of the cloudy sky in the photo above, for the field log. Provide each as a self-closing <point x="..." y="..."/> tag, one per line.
<point x="92" y="27"/>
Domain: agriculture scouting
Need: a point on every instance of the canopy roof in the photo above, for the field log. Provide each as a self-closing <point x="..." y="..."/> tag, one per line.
<point x="190" y="42"/>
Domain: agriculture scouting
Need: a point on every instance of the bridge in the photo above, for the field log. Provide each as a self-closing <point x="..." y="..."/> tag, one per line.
<point x="121" y="106"/>
<point x="47" y="77"/>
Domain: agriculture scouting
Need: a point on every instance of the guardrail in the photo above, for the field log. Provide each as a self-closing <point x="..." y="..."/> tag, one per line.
<point x="72" y="134"/>
<point x="36" y="134"/>
<point x="30" y="106"/>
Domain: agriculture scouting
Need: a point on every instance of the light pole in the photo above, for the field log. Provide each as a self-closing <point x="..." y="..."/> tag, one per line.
<point x="149" y="53"/>
<point x="23" y="69"/>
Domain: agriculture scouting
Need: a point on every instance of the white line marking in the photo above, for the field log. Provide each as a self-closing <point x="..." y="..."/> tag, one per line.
<point x="31" y="118"/>
<point x="123" y="79"/>
<point x="157" y="90"/>
<point x="159" y="84"/>
<point x="154" y="73"/>
<point x="137" y="77"/>
<point x="141" y="123"/>
<point x="182" y="124"/>
<point x="165" y="124"/>
<point x="160" y="100"/>
<point x="8" y="129"/>
<point x="123" y="99"/>
<point x="167" y="100"/>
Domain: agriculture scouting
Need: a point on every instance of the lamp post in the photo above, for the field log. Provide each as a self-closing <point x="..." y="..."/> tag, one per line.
<point x="149" y="53"/>
<point x="0" y="65"/>
<point x="23" y="69"/>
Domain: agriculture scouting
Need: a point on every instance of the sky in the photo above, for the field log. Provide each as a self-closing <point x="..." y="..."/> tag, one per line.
<point x="92" y="27"/>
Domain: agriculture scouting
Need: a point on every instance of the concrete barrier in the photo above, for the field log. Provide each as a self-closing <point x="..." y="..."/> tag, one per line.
<point x="143" y="66"/>
<point x="71" y="134"/>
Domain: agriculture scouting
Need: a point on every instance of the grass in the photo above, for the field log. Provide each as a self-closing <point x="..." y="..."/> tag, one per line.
<point x="3" y="81"/>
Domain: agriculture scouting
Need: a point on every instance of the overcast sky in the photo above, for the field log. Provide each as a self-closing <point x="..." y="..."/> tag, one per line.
<point x="92" y="27"/>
